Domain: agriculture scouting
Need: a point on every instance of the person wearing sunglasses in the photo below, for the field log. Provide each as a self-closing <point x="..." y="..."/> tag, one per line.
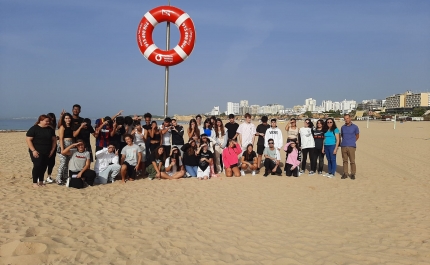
<point x="272" y="158"/>
<point x="331" y="143"/>
<point x="79" y="165"/>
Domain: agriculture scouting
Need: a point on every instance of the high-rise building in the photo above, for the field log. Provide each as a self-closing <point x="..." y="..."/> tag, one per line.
<point x="232" y="108"/>
<point x="310" y="104"/>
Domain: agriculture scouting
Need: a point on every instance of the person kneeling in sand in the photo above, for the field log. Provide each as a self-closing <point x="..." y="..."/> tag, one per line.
<point x="272" y="159"/>
<point x="79" y="165"/>
<point x="107" y="164"/>
<point x="205" y="160"/>
<point x="131" y="158"/>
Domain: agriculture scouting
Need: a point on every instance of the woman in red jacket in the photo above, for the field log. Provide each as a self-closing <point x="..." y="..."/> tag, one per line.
<point x="230" y="160"/>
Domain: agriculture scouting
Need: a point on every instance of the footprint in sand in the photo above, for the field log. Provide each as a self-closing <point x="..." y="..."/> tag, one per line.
<point x="18" y="248"/>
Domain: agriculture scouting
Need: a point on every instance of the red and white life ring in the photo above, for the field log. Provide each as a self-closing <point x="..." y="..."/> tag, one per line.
<point x="186" y="41"/>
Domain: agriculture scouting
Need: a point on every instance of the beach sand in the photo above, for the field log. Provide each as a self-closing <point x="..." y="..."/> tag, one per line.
<point x="382" y="217"/>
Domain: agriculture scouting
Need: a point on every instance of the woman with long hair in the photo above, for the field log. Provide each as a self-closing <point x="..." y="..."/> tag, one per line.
<point x="191" y="160"/>
<point x="173" y="165"/>
<point x="292" y="130"/>
<point x="307" y="144"/>
<point x="193" y="131"/>
<point x="51" y="163"/>
<point x="331" y="143"/>
<point x="230" y="160"/>
<point x="65" y="139"/>
<point x="210" y="142"/>
<point x="41" y="142"/>
<point x="249" y="160"/>
<point x="318" y="157"/>
<point x="139" y="138"/>
<point x="292" y="162"/>
<point x="208" y="129"/>
<point x="155" y="135"/>
<point x="221" y="138"/>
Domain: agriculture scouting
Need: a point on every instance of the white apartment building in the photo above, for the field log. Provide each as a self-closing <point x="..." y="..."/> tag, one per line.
<point x="253" y="109"/>
<point x="215" y="111"/>
<point x="232" y="108"/>
<point x="310" y="104"/>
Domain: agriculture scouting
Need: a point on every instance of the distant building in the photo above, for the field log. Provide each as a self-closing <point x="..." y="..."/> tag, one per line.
<point x="253" y="109"/>
<point x="232" y="108"/>
<point x="371" y="104"/>
<point x="215" y="111"/>
<point x="310" y="104"/>
<point x="407" y="100"/>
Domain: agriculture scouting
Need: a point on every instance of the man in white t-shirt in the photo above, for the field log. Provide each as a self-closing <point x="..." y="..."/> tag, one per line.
<point x="246" y="132"/>
<point x="166" y="134"/>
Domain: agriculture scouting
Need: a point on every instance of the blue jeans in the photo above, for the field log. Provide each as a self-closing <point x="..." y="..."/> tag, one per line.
<point x="191" y="170"/>
<point x="331" y="158"/>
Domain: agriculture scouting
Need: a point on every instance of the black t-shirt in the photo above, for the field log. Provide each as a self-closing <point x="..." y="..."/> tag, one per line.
<point x="204" y="164"/>
<point x="76" y="122"/>
<point x="189" y="160"/>
<point x="85" y="134"/>
<point x="178" y="135"/>
<point x="250" y="157"/>
<point x="318" y="138"/>
<point x="261" y="128"/>
<point x="157" y="160"/>
<point x="42" y="138"/>
<point x="232" y="128"/>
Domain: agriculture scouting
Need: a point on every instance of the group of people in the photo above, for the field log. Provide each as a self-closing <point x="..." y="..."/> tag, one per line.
<point x="126" y="148"/>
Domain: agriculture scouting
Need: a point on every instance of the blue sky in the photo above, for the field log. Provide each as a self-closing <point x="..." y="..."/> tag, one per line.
<point x="54" y="54"/>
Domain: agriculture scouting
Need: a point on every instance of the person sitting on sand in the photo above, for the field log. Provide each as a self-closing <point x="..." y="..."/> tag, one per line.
<point x="173" y="165"/>
<point x="157" y="167"/>
<point x="107" y="164"/>
<point x="205" y="160"/>
<point x="272" y="159"/>
<point x="230" y="160"/>
<point x="79" y="165"/>
<point x="131" y="158"/>
<point x="249" y="160"/>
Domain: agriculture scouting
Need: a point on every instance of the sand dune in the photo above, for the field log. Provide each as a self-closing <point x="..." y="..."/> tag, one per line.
<point x="383" y="217"/>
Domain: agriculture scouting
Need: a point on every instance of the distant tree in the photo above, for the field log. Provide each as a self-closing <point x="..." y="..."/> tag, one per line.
<point x="418" y="112"/>
<point x="308" y="114"/>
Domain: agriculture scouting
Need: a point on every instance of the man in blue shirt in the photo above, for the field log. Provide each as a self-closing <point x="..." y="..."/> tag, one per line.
<point x="350" y="135"/>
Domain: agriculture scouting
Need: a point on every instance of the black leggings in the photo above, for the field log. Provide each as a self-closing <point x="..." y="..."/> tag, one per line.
<point x="317" y="158"/>
<point x="51" y="162"/>
<point x="39" y="166"/>
<point x="305" y="153"/>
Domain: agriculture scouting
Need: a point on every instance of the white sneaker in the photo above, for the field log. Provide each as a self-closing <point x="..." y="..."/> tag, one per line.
<point x="49" y="180"/>
<point x="242" y="173"/>
<point x="325" y="174"/>
<point x="330" y="176"/>
<point x="253" y="172"/>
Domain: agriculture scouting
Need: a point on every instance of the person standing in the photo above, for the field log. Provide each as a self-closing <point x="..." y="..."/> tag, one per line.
<point x="246" y="132"/>
<point x="318" y="157"/>
<point x="331" y="143"/>
<point x="177" y="135"/>
<point x="51" y="163"/>
<point x="193" y="131"/>
<point x="41" y="142"/>
<point x="199" y="122"/>
<point x="350" y="134"/>
<point x="155" y="135"/>
<point x="84" y="132"/>
<point x="139" y="137"/>
<point x="274" y="133"/>
<point x="232" y="127"/>
<point x="307" y="144"/>
<point x="261" y="132"/>
<point x="65" y="139"/>
<point x="147" y="126"/>
<point x="220" y="143"/>
<point x="292" y="130"/>
<point x="166" y="135"/>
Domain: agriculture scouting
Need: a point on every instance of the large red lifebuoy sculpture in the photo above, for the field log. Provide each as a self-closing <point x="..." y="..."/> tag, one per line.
<point x="186" y="41"/>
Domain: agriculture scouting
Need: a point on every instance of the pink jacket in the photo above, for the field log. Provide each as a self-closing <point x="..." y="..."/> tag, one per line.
<point x="292" y="157"/>
<point x="229" y="156"/>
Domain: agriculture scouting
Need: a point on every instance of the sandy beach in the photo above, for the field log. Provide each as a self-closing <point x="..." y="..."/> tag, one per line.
<point x="382" y="217"/>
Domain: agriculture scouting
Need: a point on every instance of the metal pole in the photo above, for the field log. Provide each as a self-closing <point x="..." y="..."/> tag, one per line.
<point x="166" y="75"/>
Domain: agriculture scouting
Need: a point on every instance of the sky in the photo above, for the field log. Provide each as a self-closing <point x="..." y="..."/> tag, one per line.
<point x="54" y="54"/>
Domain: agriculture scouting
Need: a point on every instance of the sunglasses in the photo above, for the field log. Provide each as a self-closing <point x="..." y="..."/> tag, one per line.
<point x="329" y="122"/>
<point x="271" y="143"/>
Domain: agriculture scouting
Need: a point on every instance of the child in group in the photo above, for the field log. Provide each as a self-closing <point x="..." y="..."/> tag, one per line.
<point x="293" y="159"/>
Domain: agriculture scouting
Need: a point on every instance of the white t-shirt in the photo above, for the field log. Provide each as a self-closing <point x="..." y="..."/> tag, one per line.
<point x="174" y="169"/>
<point x="247" y="132"/>
<point x="165" y="140"/>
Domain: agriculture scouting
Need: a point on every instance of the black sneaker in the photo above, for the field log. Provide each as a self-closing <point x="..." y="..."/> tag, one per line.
<point x="266" y="174"/>
<point x="279" y="174"/>
<point x="344" y="176"/>
<point x="352" y="176"/>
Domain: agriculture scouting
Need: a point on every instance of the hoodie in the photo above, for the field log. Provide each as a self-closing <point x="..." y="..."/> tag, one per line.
<point x="276" y="135"/>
